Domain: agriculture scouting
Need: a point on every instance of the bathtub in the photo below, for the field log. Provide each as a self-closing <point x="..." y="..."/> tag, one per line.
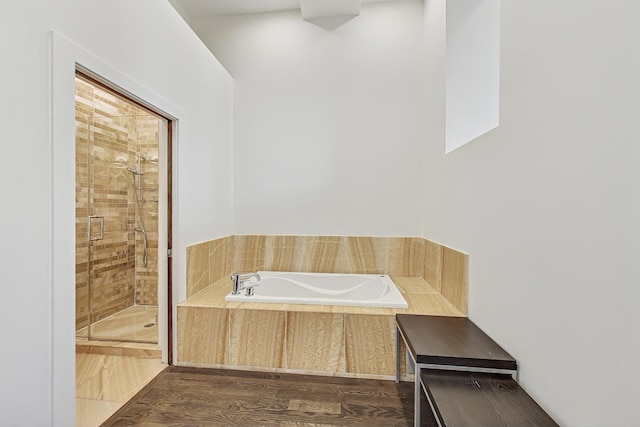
<point x="359" y="290"/>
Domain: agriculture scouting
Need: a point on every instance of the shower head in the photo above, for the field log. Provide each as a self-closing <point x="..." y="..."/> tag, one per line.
<point x="135" y="171"/>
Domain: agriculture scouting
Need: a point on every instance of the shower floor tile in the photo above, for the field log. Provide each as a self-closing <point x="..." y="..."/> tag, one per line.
<point x="136" y="323"/>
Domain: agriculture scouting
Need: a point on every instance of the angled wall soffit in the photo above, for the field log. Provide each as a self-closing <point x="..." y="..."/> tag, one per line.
<point x="314" y="9"/>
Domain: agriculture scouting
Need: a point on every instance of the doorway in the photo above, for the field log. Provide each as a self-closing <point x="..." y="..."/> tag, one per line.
<point x="122" y="216"/>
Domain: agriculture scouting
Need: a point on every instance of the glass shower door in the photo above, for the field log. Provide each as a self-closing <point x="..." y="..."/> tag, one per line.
<point x="110" y="231"/>
<point x="117" y="210"/>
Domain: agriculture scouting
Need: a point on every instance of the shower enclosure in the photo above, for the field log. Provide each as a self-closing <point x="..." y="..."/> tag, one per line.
<point x="117" y="174"/>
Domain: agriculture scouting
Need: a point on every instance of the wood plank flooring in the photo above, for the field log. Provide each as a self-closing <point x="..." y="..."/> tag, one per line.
<point x="214" y="397"/>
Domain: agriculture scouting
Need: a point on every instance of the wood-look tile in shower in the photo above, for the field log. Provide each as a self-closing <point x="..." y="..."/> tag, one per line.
<point x="315" y="341"/>
<point x="108" y="105"/>
<point x="370" y="344"/>
<point x="256" y="338"/>
<point x="203" y="335"/>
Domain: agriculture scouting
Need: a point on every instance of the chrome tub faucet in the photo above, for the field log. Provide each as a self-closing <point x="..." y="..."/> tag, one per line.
<point x="239" y="281"/>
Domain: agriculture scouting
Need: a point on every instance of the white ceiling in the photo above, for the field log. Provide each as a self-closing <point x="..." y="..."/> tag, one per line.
<point x="202" y="8"/>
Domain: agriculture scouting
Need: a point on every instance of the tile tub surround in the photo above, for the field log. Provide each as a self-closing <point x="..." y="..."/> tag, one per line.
<point x="325" y="340"/>
<point x="443" y="268"/>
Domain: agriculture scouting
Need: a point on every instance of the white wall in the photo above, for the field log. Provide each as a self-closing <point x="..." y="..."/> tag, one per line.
<point x="473" y="70"/>
<point x="152" y="52"/>
<point x="548" y="205"/>
<point x="327" y="120"/>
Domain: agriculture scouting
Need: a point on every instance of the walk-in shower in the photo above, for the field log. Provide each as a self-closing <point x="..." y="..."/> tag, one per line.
<point x="117" y="191"/>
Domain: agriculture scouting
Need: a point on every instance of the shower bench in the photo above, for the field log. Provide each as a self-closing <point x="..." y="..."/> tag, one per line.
<point x="457" y="366"/>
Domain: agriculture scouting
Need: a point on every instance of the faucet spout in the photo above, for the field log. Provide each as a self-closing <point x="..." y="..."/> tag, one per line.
<point x="240" y="279"/>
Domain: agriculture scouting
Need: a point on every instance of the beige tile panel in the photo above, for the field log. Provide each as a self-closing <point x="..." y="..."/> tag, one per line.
<point x="114" y="348"/>
<point x="249" y="254"/>
<point x="212" y="296"/>
<point x="202" y="335"/>
<point x="256" y="338"/>
<point x="315" y="341"/>
<point x="197" y="267"/>
<point x="220" y="258"/>
<point x="405" y="256"/>
<point x="285" y="253"/>
<point x="366" y="255"/>
<point x="433" y="264"/>
<point x="370" y="344"/>
<point x="454" y="278"/>
<point x="413" y="285"/>
<point x="89" y="366"/>
<point x="432" y="304"/>
<point x="94" y="412"/>
<point x="121" y="379"/>
<point x="104" y="383"/>
<point x="324" y="254"/>
<point x="369" y="310"/>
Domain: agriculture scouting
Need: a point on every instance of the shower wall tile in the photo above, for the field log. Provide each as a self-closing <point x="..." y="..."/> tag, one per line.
<point x="455" y="277"/>
<point x="256" y="338"/>
<point x="370" y="344"/>
<point x="315" y="341"/>
<point x="433" y="264"/>
<point x="144" y="138"/>
<point x="203" y="335"/>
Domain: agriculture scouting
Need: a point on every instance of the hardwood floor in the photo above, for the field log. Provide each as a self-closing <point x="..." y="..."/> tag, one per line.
<point x="213" y="397"/>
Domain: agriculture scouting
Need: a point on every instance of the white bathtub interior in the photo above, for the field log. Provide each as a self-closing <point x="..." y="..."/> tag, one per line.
<point x="359" y="290"/>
